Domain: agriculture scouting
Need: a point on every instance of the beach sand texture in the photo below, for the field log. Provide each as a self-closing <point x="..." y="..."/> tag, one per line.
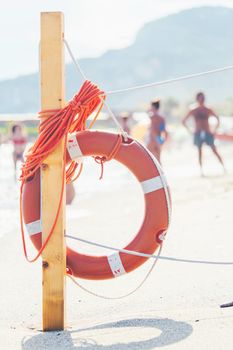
<point x="177" y="308"/>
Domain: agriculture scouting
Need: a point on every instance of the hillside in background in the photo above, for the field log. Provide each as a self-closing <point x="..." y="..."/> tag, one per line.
<point x="186" y="42"/>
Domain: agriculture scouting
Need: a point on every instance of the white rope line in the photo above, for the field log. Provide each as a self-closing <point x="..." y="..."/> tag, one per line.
<point x="80" y="71"/>
<point x="125" y="295"/>
<point x="125" y="137"/>
<point x="124" y="134"/>
<point x="158" y="166"/>
<point x="150" y="256"/>
<point x="153" y="84"/>
<point x="75" y="62"/>
<point x="171" y="81"/>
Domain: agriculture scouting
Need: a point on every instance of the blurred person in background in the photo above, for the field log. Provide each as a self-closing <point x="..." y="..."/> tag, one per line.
<point x="157" y="133"/>
<point x="19" y="141"/>
<point x="202" y="131"/>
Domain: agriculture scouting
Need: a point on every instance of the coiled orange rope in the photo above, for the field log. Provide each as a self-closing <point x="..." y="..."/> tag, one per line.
<point x="55" y="126"/>
<point x="60" y="123"/>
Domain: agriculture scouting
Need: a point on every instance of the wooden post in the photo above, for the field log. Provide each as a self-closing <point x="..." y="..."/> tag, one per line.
<point x="52" y="96"/>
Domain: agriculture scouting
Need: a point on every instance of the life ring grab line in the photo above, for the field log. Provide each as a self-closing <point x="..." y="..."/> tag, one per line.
<point x="149" y="185"/>
<point x="117" y="269"/>
<point x="133" y="291"/>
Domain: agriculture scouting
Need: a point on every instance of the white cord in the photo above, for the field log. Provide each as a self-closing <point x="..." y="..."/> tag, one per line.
<point x="158" y="166"/>
<point x="75" y="62"/>
<point x="122" y="296"/>
<point x="160" y="171"/>
<point x="156" y="257"/>
<point x="172" y="80"/>
<point x="123" y="133"/>
<point x="150" y="256"/>
<point x="153" y="84"/>
<point x="80" y="71"/>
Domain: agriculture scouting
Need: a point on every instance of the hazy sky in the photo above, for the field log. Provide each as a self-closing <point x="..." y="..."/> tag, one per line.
<point x="92" y="26"/>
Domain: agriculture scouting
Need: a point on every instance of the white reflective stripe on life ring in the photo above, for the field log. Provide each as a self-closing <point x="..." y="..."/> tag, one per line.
<point x="116" y="265"/>
<point x="154" y="184"/>
<point x="34" y="227"/>
<point x="73" y="148"/>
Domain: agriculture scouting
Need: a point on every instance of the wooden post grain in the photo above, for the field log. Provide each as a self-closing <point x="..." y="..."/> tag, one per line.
<point x="52" y="96"/>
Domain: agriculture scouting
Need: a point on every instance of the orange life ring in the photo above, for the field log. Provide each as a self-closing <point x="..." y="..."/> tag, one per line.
<point x="142" y="164"/>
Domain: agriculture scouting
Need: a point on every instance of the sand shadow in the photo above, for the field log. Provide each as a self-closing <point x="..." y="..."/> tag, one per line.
<point x="171" y="332"/>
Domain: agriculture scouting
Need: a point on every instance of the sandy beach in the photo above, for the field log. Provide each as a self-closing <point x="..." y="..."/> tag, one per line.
<point x="177" y="308"/>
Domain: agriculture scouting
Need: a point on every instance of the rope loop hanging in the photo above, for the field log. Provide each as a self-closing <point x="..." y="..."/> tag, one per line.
<point x="103" y="159"/>
<point x="55" y="126"/>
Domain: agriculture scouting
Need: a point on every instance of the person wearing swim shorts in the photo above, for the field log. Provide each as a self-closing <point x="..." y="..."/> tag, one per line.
<point x="202" y="131"/>
<point x="157" y="134"/>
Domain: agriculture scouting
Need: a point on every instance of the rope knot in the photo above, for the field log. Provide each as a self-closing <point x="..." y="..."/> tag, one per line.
<point x="75" y="105"/>
<point x="102" y="159"/>
<point x="57" y="124"/>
